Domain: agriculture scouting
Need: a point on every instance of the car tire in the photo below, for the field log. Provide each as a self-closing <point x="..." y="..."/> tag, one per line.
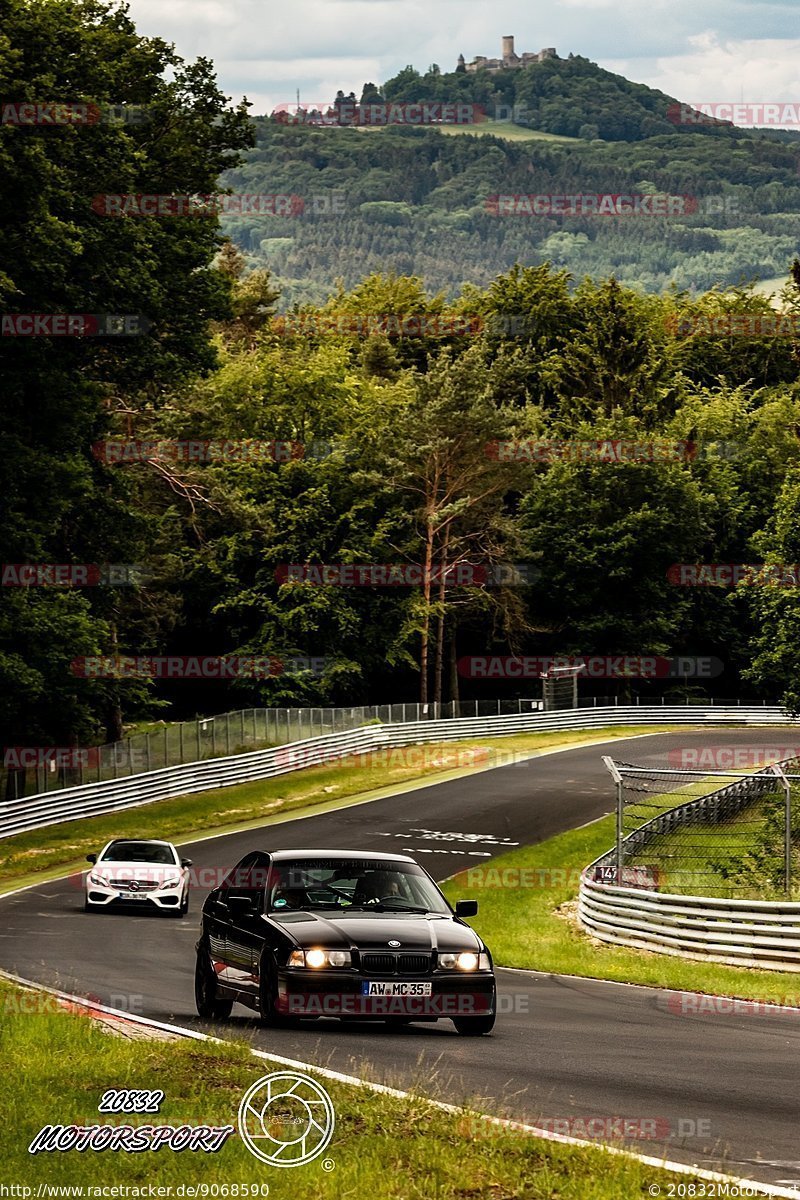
<point x="474" y="1026"/>
<point x="87" y="907"/>
<point x="268" y="993"/>
<point x="207" y="999"/>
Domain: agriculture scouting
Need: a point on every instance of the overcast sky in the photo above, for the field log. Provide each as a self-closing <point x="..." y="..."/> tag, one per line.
<point x="697" y="50"/>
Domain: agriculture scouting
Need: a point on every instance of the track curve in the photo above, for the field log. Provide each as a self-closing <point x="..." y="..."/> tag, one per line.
<point x="726" y="1086"/>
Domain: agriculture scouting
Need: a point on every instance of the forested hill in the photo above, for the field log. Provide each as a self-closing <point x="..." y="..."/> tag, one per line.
<point x="419" y="200"/>
<point x="573" y="97"/>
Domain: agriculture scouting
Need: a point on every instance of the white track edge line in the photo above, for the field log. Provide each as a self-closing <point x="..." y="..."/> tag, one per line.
<point x="763" y="1189"/>
<point x="654" y="987"/>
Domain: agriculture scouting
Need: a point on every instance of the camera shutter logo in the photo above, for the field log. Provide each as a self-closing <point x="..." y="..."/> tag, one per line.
<point x="286" y="1119"/>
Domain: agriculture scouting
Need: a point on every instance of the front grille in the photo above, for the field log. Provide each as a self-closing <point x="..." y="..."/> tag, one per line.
<point x="378" y="962"/>
<point x="396" y="964"/>
<point x="413" y="964"/>
<point x="141" y="885"/>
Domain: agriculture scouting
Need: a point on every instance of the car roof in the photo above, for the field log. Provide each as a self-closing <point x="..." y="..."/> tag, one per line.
<point x="343" y="855"/>
<point x="140" y="840"/>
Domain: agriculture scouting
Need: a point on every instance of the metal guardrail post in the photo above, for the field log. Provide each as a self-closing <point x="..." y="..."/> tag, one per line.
<point x="610" y="765"/>
<point x="787" y="830"/>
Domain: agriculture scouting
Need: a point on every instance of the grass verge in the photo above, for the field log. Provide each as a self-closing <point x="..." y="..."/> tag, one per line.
<point x="57" y="1066"/>
<point x="527" y="901"/>
<point x="58" y="849"/>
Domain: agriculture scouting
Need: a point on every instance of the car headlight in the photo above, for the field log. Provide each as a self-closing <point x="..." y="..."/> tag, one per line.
<point x="94" y="877"/>
<point x="319" y="958"/>
<point x="466" y="960"/>
<point x="168" y="883"/>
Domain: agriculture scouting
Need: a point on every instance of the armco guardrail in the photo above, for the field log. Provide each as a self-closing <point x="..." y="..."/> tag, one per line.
<point x="751" y="933"/>
<point x="29" y="770"/>
<point x="38" y="811"/>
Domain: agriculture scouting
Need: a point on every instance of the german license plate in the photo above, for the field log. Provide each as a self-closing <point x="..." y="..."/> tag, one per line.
<point x="390" y="987"/>
<point x="131" y="896"/>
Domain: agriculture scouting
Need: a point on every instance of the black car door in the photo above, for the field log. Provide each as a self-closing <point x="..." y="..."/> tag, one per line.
<point x="244" y="902"/>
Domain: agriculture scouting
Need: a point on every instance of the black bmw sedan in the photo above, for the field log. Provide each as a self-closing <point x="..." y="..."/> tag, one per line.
<point x="346" y="934"/>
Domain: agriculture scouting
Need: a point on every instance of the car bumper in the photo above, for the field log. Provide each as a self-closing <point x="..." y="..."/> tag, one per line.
<point x="334" y="994"/>
<point x="100" y="897"/>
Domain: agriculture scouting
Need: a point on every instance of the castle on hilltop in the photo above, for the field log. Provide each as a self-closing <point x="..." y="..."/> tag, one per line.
<point x="508" y="60"/>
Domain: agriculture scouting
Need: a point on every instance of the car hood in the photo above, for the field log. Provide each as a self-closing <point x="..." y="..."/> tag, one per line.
<point x="375" y="931"/>
<point x="124" y="872"/>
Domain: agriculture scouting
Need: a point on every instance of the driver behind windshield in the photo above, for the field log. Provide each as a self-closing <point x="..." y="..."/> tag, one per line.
<point x="376" y="886"/>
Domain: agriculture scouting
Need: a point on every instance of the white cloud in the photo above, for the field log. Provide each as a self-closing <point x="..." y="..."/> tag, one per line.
<point x="712" y="70"/>
<point x="726" y="49"/>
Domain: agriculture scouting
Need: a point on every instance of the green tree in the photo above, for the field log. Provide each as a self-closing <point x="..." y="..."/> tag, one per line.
<point x="59" y="254"/>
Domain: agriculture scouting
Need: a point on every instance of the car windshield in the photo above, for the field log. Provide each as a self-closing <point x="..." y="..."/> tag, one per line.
<point x="145" y="852"/>
<point x="368" y="884"/>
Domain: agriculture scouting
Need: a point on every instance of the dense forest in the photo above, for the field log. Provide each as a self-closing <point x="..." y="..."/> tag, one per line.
<point x="419" y="200"/>
<point x="387" y="422"/>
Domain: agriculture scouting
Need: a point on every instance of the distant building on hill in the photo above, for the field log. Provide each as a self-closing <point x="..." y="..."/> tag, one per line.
<point x="509" y="60"/>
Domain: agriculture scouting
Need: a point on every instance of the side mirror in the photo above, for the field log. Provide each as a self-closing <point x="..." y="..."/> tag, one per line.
<point x="466" y="908"/>
<point x="239" y="904"/>
<point x="92" y="858"/>
<point x="186" y="862"/>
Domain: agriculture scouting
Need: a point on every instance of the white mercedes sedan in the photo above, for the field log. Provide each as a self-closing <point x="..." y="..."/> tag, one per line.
<point x="134" y="873"/>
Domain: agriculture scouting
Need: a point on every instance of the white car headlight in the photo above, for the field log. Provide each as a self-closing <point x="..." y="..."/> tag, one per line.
<point x="169" y="883"/>
<point x="97" y="878"/>
<point x="465" y="960"/>
<point x="319" y="958"/>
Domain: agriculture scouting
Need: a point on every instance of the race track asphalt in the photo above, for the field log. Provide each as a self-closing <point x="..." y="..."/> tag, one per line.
<point x="722" y="1090"/>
